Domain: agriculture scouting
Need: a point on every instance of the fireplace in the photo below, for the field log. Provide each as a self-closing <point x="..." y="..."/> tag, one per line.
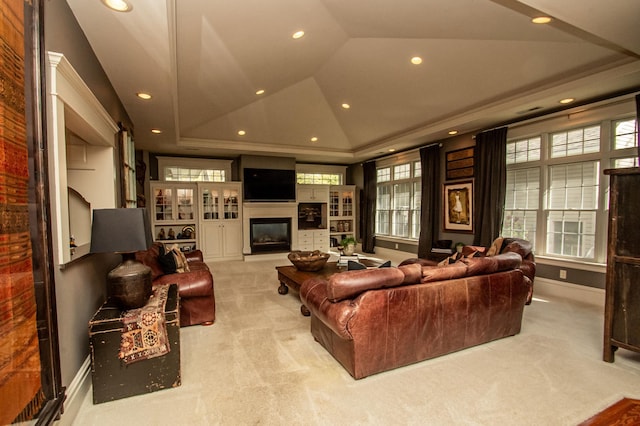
<point x="270" y="234"/>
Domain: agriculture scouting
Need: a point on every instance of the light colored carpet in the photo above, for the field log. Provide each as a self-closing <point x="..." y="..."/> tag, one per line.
<point x="258" y="364"/>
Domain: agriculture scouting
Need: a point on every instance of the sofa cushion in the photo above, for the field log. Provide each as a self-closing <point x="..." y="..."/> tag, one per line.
<point x="173" y="260"/>
<point x="470" y="266"/>
<point x="351" y="283"/>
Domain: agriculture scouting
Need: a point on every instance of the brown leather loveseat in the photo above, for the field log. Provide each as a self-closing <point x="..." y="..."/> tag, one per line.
<point x="378" y="319"/>
<point x="195" y="287"/>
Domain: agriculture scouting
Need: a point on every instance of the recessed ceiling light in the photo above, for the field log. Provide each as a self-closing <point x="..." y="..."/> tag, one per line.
<point x="298" y="34"/>
<point x="541" y="20"/>
<point x="416" y="60"/>
<point x="453" y="132"/>
<point x="242" y="132"/>
<point x="143" y="95"/>
<point x="567" y="100"/>
<point x="118" y="5"/>
<point x="156" y="131"/>
<point x="346" y="106"/>
<point x="392" y="149"/>
<point x="260" y="92"/>
<point x="314" y="139"/>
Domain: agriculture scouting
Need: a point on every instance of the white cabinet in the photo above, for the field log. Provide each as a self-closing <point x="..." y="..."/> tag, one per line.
<point x="312" y="193"/>
<point x="309" y="240"/>
<point x="220" y="220"/>
<point x="342" y="212"/>
<point x="174" y="214"/>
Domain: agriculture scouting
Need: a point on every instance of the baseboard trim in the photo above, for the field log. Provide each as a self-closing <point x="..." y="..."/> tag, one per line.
<point x="76" y="393"/>
<point x="579" y="293"/>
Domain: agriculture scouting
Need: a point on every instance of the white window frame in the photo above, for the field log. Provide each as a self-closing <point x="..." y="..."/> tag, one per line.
<point x="193" y="163"/>
<point x="320" y="170"/>
<point x="603" y="115"/>
<point x="413" y="214"/>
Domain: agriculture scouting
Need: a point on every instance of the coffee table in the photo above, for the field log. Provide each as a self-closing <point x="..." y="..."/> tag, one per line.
<point x="289" y="276"/>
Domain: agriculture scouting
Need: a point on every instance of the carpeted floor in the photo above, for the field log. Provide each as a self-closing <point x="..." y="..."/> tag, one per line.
<point x="258" y="364"/>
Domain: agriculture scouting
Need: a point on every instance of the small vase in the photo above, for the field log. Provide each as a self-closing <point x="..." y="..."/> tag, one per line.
<point x="349" y="249"/>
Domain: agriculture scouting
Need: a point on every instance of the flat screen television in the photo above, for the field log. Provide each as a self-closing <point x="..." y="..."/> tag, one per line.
<point x="269" y="185"/>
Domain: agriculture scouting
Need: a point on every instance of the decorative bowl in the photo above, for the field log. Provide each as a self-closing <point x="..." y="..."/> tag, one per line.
<point x="309" y="261"/>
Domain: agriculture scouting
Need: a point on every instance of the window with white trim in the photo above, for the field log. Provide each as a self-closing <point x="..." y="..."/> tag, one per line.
<point x="398" y="200"/>
<point x="185" y="169"/>
<point x="319" y="178"/>
<point x="554" y="194"/>
<point x="184" y="174"/>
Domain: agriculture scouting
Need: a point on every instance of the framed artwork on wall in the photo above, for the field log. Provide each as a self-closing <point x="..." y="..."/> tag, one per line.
<point x="458" y="206"/>
<point x="460" y="163"/>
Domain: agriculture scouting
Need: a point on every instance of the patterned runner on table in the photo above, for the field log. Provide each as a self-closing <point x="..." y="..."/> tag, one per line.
<point x="145" y="332"/>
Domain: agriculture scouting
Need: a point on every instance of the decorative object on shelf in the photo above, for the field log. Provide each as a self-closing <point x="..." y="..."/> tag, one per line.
<point x="171" y="234"/>
<point x="458" y="206"/>
<point x="346" y="226"/>
<point x="124" y="231"/>
<point x="460" y="163"/>
<point x="308" y="260"/>
<point x="162" y="235"/>
<point x="188" y="232"/>
<point x="348" y="245"/>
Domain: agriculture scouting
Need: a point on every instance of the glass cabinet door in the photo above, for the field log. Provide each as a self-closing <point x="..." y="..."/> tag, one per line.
<point x="185" y="204"/>
<point x="210" y="203"/>
<point x="347" y="203"/>
<point x="334" y="203"/>
<point x="163" y="203"/>
<point x="231" y="209"/>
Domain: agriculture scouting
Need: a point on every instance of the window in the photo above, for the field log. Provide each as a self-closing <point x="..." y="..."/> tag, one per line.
<point x="319" y="178"/>
<point x="182" y="174"/>
<point x="554" y="194"/>
<point x="521" y="203"/>
<point x="183" y="169"/>
<point x="523" y="150"/>
<point x="398" y="200"/>
<point x="572" y="203"/>
<point x="575" y="142"/>
<point x="626" y="134"/>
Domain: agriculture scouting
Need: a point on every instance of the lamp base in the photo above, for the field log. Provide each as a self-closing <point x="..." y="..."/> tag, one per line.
<point x="129" y="284"/>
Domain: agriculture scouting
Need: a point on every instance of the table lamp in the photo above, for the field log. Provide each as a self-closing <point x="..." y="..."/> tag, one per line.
<point x="124" y="231"/>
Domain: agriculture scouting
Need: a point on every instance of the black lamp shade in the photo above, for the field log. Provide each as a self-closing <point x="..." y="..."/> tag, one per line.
<point x="120" y="231"/>
<point x="124" y="231"/>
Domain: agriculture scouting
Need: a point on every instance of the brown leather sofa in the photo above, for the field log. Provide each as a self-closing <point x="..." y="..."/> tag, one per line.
<point x="195" y="288"/>
<point x="378" y="319"/>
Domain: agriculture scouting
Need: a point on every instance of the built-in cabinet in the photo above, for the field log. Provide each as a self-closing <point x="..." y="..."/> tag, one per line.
<point x="312" y="193"/>
<point x="317" y="239"/>
<point x="220" y="221"/>
<point x="342" y="209"/>
<point x="174" y="214"/>
<point x="622" y="298"/>
<point x="326" y="215"/>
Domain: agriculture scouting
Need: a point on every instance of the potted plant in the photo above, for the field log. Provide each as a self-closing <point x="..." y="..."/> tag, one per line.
<point x="458" y="247"/>
<point x="348" y="245"/>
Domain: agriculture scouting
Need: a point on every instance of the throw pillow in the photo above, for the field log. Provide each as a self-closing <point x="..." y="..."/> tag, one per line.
<point x="172" y="260"/>
<point x="495" y="247"/>
<point x="451" y="259"/>
<point x="352" y="265"/>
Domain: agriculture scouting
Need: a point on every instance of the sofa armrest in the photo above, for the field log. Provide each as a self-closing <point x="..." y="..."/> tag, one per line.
<point x="193" y="256"/>
<point x="198" y="283"/>
<point x="313" y="294"/>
